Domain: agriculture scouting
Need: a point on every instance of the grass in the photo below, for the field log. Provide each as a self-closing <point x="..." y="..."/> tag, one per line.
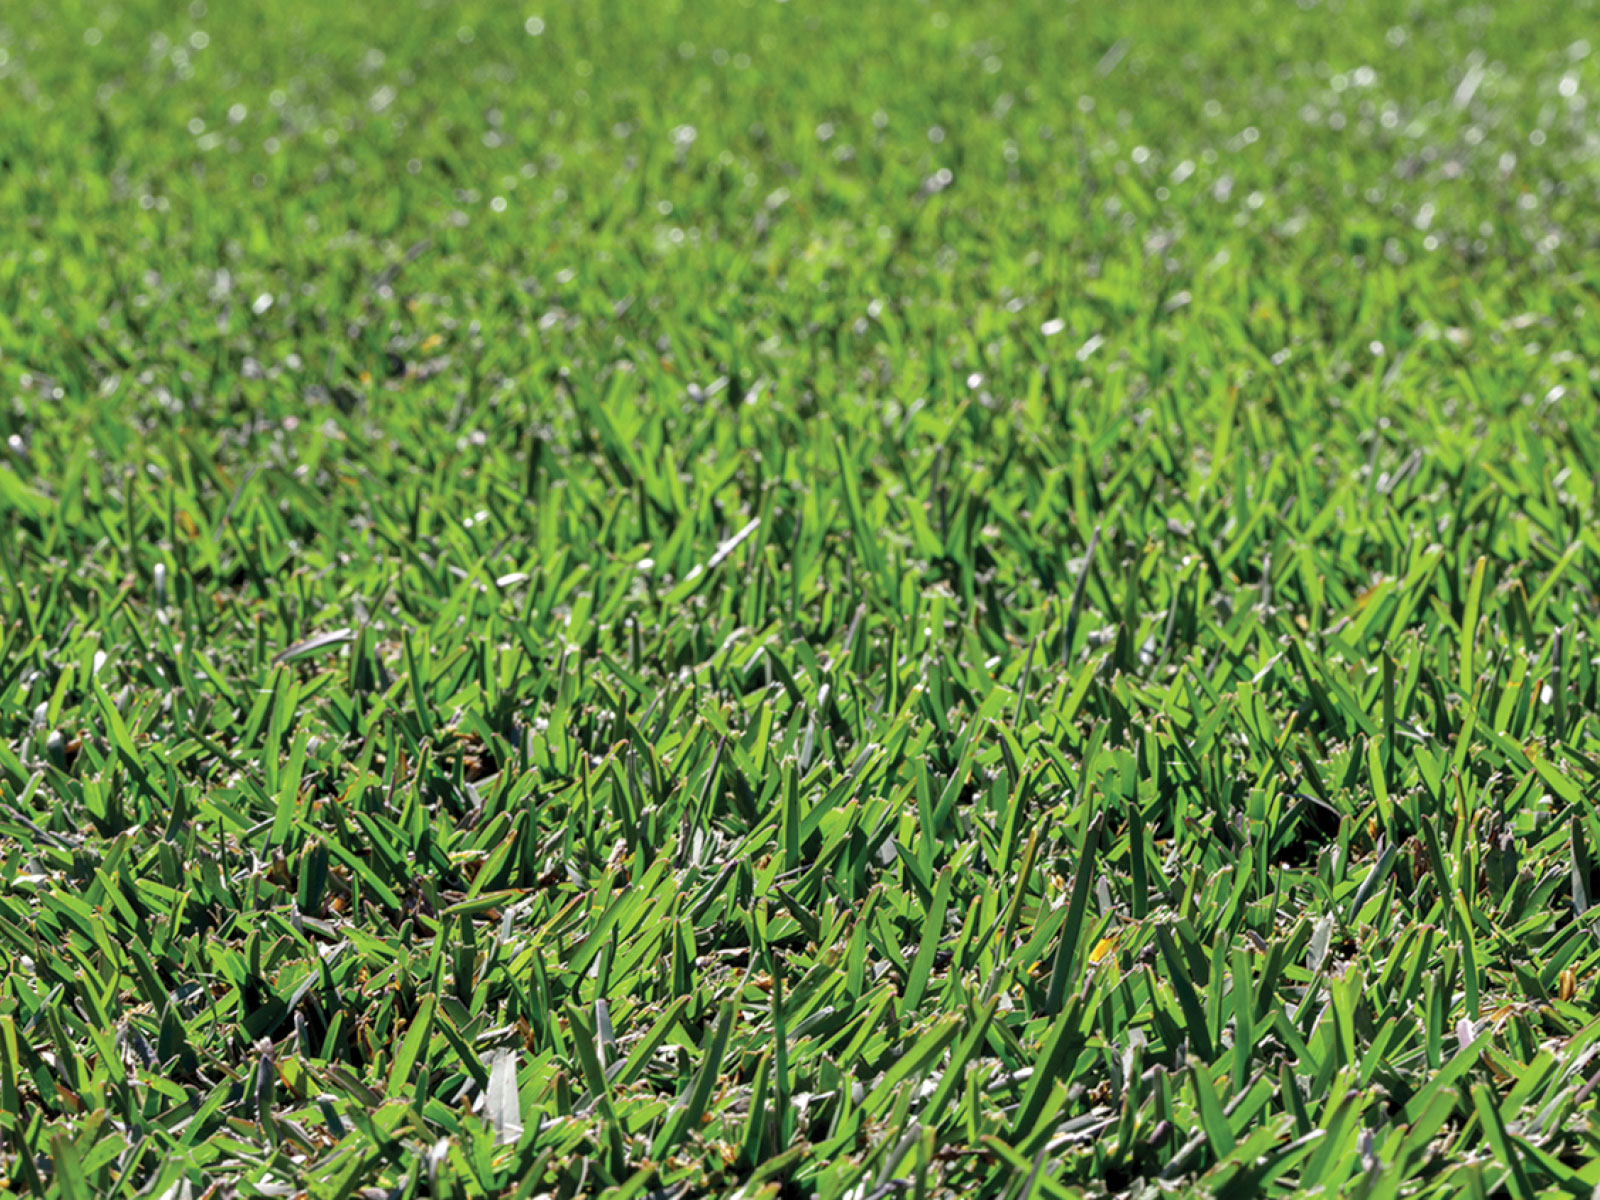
<point x="798" y="599"/>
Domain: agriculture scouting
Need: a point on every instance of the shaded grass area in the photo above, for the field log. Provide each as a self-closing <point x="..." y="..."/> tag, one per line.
<point x="801" y="599"/>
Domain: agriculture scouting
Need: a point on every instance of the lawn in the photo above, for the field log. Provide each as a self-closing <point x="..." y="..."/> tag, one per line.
<point x="845" y="598"/>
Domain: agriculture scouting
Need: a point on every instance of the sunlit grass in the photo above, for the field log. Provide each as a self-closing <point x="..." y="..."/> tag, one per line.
<point x="798" y="599"/>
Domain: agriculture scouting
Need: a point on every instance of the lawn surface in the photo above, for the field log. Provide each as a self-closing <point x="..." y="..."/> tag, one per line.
<point x="832" y="598"/>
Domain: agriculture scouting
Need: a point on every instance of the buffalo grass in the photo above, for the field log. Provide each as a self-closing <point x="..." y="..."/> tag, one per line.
<point x="839" y="598"/>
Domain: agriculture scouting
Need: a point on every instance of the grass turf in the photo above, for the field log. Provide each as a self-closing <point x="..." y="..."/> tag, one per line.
<point x="815" y="599"/>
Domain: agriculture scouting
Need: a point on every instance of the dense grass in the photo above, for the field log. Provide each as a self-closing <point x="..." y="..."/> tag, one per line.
<point x="811" y="599"/>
